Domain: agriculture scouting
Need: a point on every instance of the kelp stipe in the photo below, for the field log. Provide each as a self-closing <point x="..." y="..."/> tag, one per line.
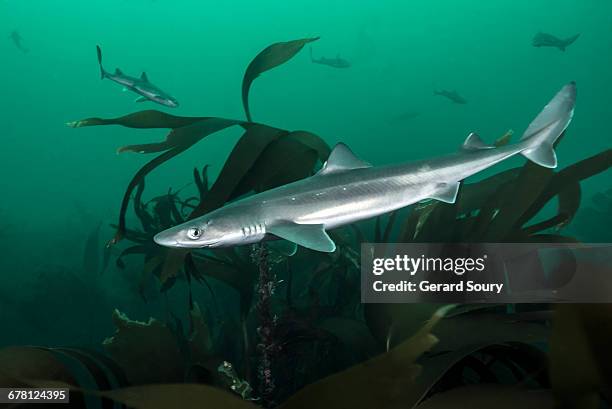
<point x="266" y="344"/>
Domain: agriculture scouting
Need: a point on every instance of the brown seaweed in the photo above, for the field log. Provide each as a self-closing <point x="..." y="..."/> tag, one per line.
<point x="380" y="382"/>
<point x="148" y="351"/>
<point x="580" y="356"/>
<point x="491" y="396"/>
<point x="270" y="57"/>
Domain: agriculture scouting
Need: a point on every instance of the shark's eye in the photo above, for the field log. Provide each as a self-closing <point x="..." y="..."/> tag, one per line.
<point x="194" y="233"/>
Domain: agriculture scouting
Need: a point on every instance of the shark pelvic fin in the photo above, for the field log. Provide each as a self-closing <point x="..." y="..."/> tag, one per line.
<point x="474" y="143"/>
<point x="144" y="77"/>
<point x="446" y="192"/>
<point x="543" y="155"/>
<point x="283" y="247"/>
<point x="312" y="236"/>
<point x="340" y="159"/>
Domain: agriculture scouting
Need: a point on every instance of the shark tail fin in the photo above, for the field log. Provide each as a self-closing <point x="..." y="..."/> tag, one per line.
<point x="570" y="41"/>
<point x="102" y="71"/>
<point x="547" y="127"/>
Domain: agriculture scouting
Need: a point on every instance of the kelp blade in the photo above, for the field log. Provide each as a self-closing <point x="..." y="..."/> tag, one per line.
<point x="271" y="57"/>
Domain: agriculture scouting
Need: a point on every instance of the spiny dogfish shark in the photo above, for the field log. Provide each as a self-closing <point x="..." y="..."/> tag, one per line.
<point x="452" y="95"/>
<point x="142" y="86"/>
<point x="548" y="40"/>
<point x="347" y="189"/>
<point x="18" y="41"/>
<point x="337" y="62"/>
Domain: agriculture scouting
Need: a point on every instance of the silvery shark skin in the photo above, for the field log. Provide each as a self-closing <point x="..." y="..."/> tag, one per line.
<point x="549" y="40"/>
<point x="347" y="189"/>
<point x="141" y="86"/>
<point x="337" y="62"/>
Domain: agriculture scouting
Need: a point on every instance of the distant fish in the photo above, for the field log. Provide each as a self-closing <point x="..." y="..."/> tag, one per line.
<point x="603" y="200"/>
<point x="452" y="95"/>
<point x="406" y="116"/>
<point x="548" y="40"/>
<point x="337" y="62"/>
<point x="141" y="86"/>
<point x="18" y="41"/>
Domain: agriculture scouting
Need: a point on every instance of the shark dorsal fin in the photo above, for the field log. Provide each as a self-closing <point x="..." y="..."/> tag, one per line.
<point x="118" y="71"/>
<point x="340" y="159"/>
<point x="144" y="77"/>
<point x="474" y="143"/>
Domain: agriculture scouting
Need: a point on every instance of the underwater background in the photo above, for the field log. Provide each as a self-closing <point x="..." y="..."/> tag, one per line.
<point x="62" y="187"/>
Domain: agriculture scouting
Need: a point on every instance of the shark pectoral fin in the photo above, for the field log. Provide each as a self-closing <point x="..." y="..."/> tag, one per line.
<point x="474" y="143"/>
<point x="446" y="192"/>
<point x="283" y="247"/>
<point x="312" y="236"/>
<point x="141" y="99"/>
<point x="340" y="159"/>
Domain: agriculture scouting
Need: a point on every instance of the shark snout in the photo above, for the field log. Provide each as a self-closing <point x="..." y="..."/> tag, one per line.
<point x="177" y="238"/>
<point x="165" y="239"/>
<point x="172" y="103"/>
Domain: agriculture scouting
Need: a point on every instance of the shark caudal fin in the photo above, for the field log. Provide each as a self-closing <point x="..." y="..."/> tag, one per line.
<point x="569" y="41"/>
<point x="102" y="71"/>
<point x="540" y="136"/>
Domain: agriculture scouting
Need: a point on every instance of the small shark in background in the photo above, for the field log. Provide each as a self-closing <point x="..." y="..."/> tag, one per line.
<point x="406" y="116"/>
<point x="18" y="40"/>
<point x="603" y="200"/>
<point x="452" y="95"/>
<point x="347" y="189"/>
<point x="548" y="40"/>
<point x="337" y="62"/>
<point x="141" y="86"/>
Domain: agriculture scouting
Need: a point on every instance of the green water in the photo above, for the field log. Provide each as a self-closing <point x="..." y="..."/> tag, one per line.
<point x="59" y="183"/>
